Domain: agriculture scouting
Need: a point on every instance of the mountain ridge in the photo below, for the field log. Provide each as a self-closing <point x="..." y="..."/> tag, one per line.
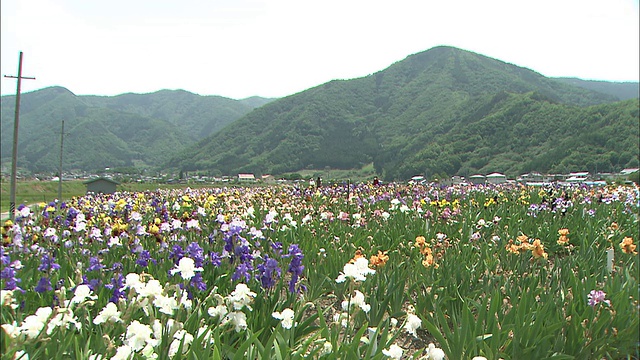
<point x="349" y="123"/>
<point x="154" y="129"/>
<point x="411" y="117"/>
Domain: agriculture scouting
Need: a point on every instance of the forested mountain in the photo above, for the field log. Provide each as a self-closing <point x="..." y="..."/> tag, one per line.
<point x="112" y="131"/>
<point x="621" y="90"/>
<point x="442" y="111"/>
<point x="198" y="116"/>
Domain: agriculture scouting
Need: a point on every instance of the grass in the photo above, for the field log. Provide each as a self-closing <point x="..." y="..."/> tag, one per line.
<point x="32" y="192"/>
<point x="364" y="174"/>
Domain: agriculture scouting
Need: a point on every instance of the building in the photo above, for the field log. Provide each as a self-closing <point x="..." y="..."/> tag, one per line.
<point x="477" y="179"/>
<point x="246" y="178"/>
<point x="101" y="185"/>
<point x="417" y="179"/>
<point x="534" y="177"/>
<point x="496" y="178"/>
<point x="627" y="172"/>
<point x="578" y="177"/>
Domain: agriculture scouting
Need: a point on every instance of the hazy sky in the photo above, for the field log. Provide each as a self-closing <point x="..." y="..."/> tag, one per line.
<point x="274" y="48"/>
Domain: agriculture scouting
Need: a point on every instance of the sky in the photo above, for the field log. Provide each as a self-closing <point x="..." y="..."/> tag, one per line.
<point x="275" y="48"/>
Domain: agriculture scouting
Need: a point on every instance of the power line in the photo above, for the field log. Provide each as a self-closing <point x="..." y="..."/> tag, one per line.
<point x="14" y="157"/>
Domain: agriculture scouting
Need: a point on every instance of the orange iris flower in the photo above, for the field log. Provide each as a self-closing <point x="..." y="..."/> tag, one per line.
<point x="429" y="261"/>
<point x="627" y="246"/>
<point x="563" y="239"/>
<point x="537" y="249"/>
<point x="380" y="259"/>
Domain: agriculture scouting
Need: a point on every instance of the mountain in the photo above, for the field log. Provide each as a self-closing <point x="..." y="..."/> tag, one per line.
<point x="196" y="115"/>
<point x="127" y="130"/>
<point x="520" y="133"/>
<point x="442" y="111"/>
<point x="621" y="90"/>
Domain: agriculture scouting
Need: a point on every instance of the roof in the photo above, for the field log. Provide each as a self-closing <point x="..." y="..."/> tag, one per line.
<point x="101" y="178"/>
<point x="496" y="175"/>
<point x="629" y="171"/>
<point x="246" y="176"/>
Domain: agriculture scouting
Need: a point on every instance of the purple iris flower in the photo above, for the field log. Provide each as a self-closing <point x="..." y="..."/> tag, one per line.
<point x="92" y="284"/>
<point x="295" y="266"/>
<point x="43" y="285"/>
<point x="195" y="252"/>
<point x="94" y="264"/>
<point x="269" y="272"/>
<point x="243" y="252"/>
<point x="9" y="275"/>
<point x="144" y="258"/>
<point x="176" y="254"/>
<point x="48" y="263"/>
<point x="4" y="258"/>
<point x="198" y="282"/>
<point x="117" y="285"/>
<point x="215" y="258"/>
<point x="277" y="247"/>
<point x="243" y="270"/>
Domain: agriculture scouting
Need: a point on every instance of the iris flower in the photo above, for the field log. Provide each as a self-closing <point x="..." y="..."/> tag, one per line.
<point x="380" y="259"/>
<point x="563" y="239"/>
<point x="286" y="317"/>
<point x="597" y="296"/>
<point x="627" y="246"/>
<point x="356" y="300"/>
<point x="186" y="267"/>
<point x="357" y="271"/>
<point x="109" y="313"/>
<point x="242" y="296"/>
<point x="537" y="249"/>
<point x="394" y="352"/>
<point x="412" y="324"/>
<point x="434" y="353"/>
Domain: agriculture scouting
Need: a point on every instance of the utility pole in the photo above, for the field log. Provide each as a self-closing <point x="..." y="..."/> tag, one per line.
<point x="14" y="157"/>
<point x="60" y="168"/>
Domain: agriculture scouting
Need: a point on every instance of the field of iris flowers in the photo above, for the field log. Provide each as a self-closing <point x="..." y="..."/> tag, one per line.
<point x="339" y="272"/>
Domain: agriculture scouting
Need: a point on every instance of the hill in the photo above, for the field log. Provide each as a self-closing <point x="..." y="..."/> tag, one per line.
<point x="621" y="90"/>
<point x="444" y="110"/>
<point x="198" y="116"/>
<point x="127" y="130"/>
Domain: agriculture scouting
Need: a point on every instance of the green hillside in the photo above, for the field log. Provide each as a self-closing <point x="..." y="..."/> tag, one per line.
<point x="621" y="90"/>
<point x="100" y="131"/>
<point x="519" y="133"/>
<point x="198" y="116"/>
<point x="442" y="111"/>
